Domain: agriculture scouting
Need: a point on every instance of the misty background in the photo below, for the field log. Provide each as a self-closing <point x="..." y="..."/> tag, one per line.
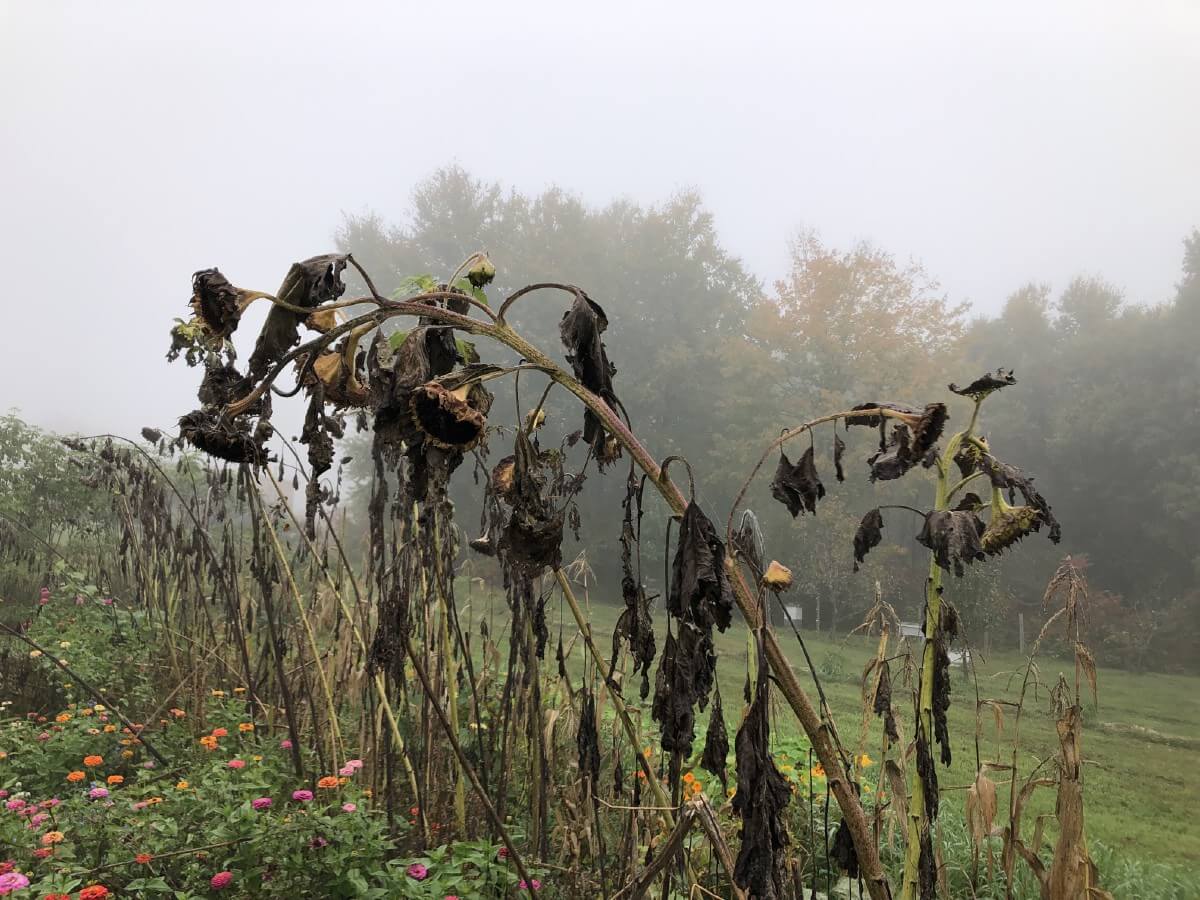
<point x="781" y="209"/>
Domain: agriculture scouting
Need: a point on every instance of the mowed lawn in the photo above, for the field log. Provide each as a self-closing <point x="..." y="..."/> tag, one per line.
<point x="1142" y="788"/>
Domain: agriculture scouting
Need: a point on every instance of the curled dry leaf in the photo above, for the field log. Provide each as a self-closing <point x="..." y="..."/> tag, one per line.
<point x="986" y="384"/>
<point x="797" y="487"/>
<point x="716" y="740"/>
<point x="308" y="284"/>
<point x="868" y="535"/>
<point x="581" y="329"/>
<point x="954" y="538"/>
<point x="634" y="625"/>
<point x="700" y="590"/>
<point x="762" y="795"/>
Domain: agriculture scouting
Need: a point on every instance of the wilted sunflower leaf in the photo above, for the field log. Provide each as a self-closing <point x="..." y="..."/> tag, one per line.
<point x="762" y="795"/>
<point x="798" y="487"/>
<point x="700" y="590"/>
<point x="868" y="535"/>
<point x="716" y="740"/>
<point x="954" y="538"/>
<point x="581" y="329"/>
<point x="981" y="387"/>
<point x="307" y="284"/>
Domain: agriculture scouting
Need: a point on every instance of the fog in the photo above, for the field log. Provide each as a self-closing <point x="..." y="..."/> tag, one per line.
<point x="142" y="141"/>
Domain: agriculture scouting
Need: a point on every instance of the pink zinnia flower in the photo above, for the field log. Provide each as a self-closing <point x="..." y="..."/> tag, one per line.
<point x="3" y="794"/>
<point x="38" y="820"/>
<point x="417" y="871"/>
<point x="108" y="601"/>
<point x="236" y="764"/>
<point x="302" y="796"/>
<point x="44" y="596"/>
<point x="285" y="744"/>
<point x="15" y="803"/>
<point x="12" y="881"/>
<point x="537" y="885"/>
<point x="349" y="807"/>
<point x="50" y="803"/>
<point x="98" y="793"/>
<point x="261" y="803"/>
<point x="44" y="736"/>
<point x="221" y="880"/>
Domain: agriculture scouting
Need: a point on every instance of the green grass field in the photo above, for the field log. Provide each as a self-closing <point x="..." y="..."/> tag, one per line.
<point x="1141" y="787"/>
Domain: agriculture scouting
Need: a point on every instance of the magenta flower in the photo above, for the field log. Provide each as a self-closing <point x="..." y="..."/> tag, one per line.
<point x="537" y="885"/>
<point x="44" y="597"/>
<point x="98" y="793"/>
<point x="285" y="744"/>
<point x="12" y="881"/>
<point x="15" y="803"/>
<point x="221" y="880"/>
<point x="261" y="803"/>
<point x="108" y="601"/>
<point x="302" y="796"/>
<point x="236" y="764"/>
<point x="417" y="871"/>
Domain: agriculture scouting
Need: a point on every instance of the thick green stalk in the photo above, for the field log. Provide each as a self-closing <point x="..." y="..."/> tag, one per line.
<point x="918" y="815"/>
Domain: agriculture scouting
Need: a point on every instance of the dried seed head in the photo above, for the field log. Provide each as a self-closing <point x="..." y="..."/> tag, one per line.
<point x="451" y="419"/>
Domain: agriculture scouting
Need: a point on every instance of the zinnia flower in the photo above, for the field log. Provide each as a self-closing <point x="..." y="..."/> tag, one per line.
<point x="143" y="859"/>
<point x="236" y="764"/>
<point x="261" y="803"/>
<point x="537" y="885"/>
<point x="52" y="837"/>
<point x="302" y="796"/>
<point x="285" y="744"/>
<point x="12" y="881"/>
<point x="98" y="793"/>
<point x="15" y="803"/>
<point x="182" y="786"/>
<point x="221" y="880"/>
<point x="42" y="852"/>
<point x="76" y="776"/>
<point x="220" y="732"/>
<point x="349" y="807"/>
<point x="329" y="781"/>
<point x="116" y="779"/>
<point x="417" y="871"/>
<point x="95" y="891"/>
<point x="245" y="727"/>
<point x="92" y="761"/>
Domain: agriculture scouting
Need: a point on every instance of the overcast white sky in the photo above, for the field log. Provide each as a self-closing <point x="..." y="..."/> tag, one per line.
<point x="996" y="143"/>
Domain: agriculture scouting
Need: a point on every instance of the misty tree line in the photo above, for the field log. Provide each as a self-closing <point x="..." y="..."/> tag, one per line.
<point x="713" y="364"/>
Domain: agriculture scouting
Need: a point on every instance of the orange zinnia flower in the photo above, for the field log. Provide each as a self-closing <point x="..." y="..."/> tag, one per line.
<point x="244" y="727"/>
<point x="220" y="732"/>
<point x="92" y="761"/>
<point x="109" y="729"/>
<point x="143" y="858"/>
<point x="52" y="837"/>
<point x="116" y="779"/>
<point x="688" y="778"/>
<point x="75" y="776"/>
<point x="818" y="771"/>
<point x="329" y="781"/>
